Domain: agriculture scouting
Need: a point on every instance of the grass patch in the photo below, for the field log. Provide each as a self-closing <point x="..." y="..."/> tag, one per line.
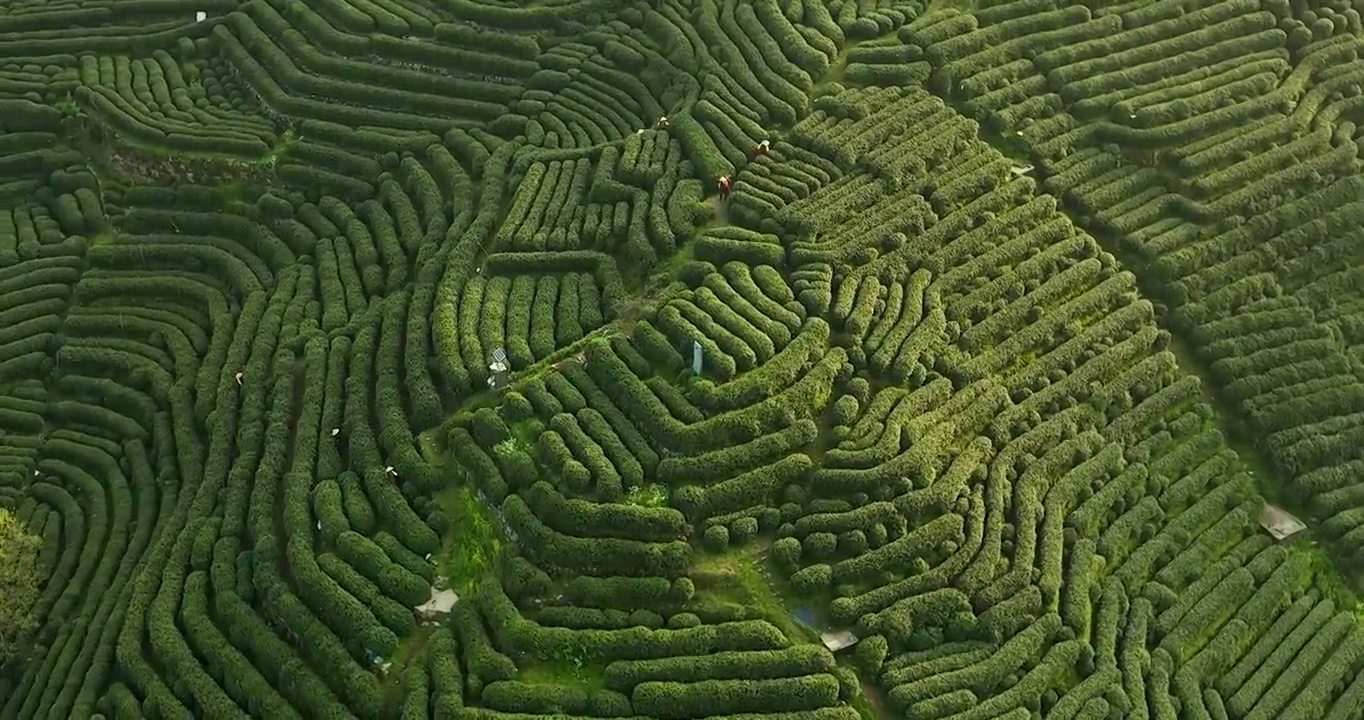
<point x="524" y="434"/>
<point x="744" y="576"/>
<point x="651" y="495"/>
<point x="469" y="552"/>
<point x="667" y="269"/>
<point x="411" y="652"/>
<point x="411" y="648"/>
<point x="431" y="444"/>
<point x="571" y="672"/>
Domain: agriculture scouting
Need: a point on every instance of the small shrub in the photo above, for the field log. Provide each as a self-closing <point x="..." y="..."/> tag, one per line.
<point x="716" y="539"/>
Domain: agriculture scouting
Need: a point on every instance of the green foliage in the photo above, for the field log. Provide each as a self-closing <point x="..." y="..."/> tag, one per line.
<point x="471" y="550"/>
<point x="19" y="583"/>
<point x="716" y="539"/>
<point x="1010" y="314"/>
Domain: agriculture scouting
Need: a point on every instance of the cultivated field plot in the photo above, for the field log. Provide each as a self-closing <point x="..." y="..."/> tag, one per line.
<point x="680" y="343"/>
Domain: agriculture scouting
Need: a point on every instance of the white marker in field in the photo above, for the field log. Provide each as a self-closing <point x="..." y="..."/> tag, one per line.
<point x="200" y="16"/>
